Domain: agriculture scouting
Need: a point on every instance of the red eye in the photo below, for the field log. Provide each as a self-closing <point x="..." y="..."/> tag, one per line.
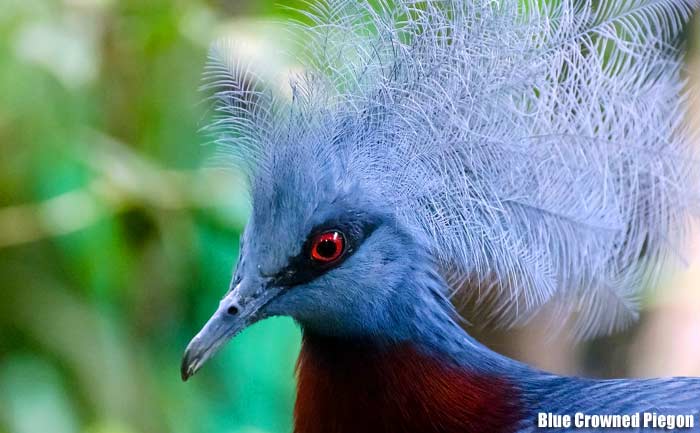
<point x="327" y="247"/>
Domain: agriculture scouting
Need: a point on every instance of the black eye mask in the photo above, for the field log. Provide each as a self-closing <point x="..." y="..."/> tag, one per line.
<point x="302" y="268"/>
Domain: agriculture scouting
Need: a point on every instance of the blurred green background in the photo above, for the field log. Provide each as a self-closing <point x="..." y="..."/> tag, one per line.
<point x="115" y="244"/>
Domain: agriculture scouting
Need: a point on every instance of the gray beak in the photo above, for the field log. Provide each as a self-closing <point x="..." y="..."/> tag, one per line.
<point x="240" y="308"/>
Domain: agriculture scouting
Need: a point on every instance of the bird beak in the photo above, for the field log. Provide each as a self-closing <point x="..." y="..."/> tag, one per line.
<point x="240" y="308"/>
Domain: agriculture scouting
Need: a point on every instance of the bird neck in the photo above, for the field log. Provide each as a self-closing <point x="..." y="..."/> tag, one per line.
<point x="416" y="371"/>
<point x="353" y="384"/>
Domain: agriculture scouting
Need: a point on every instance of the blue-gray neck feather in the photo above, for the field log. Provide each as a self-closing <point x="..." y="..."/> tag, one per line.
<point x="440" y="335"/>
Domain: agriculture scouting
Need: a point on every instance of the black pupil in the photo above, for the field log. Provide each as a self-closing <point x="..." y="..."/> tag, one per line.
<point x="326" y="248"/>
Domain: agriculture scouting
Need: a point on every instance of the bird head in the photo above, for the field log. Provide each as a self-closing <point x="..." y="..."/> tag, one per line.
<point x="320" y="248"/>
<point x="400" y="157"/>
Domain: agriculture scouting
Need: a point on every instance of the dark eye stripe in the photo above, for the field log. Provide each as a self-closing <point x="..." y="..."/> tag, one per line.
<point x="302" y="268"/>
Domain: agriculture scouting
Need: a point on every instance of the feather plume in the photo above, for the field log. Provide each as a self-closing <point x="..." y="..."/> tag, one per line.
<point x="539" y="145"/>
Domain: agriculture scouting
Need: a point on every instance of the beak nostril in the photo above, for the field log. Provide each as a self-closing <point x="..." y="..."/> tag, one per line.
<point x="232" y="310"/>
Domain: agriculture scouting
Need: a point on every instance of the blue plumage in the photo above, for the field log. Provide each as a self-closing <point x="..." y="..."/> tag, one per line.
<point x="521" y="152"/>
<point x="540" y="148"/>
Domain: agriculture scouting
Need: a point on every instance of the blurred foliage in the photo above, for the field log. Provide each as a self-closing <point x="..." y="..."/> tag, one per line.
<point x="114" y="246"/>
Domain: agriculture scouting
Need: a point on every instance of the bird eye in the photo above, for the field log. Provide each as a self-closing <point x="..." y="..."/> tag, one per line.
<point x="327" y="247"/>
